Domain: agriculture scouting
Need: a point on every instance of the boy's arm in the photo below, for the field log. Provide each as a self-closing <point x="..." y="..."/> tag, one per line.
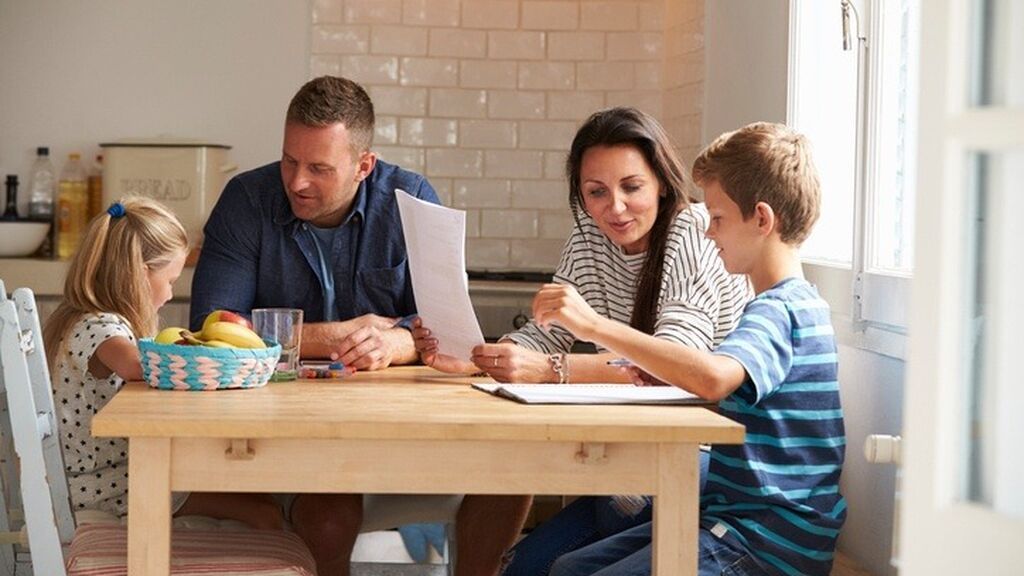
<point x="707" y="375"/>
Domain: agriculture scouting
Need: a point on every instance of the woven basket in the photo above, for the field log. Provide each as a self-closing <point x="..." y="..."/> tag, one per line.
<point x="179" y="367"/>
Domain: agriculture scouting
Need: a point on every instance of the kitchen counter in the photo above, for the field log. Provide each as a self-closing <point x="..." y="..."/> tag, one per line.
<point x="46" y="278"/>
<point x="499" y="304"/>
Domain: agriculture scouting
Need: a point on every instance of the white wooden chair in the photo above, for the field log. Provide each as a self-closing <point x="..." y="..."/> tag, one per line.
<point x="57" y="547"/>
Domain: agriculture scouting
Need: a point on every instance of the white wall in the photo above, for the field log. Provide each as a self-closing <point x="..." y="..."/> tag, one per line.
<point x="74" y="74"/>
<point x="747" y="62"/>
<point x="747" y="79"/>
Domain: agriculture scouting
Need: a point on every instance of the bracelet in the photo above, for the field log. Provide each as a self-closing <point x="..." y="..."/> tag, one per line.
<point x="560" y="364"/>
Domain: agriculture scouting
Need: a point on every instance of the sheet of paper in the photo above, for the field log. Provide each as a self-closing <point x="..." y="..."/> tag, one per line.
<point x="591" y="394"/>
<point x="435" y="239"/>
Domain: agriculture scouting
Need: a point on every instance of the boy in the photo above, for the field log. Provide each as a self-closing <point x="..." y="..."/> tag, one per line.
<point x="771" y="505"/>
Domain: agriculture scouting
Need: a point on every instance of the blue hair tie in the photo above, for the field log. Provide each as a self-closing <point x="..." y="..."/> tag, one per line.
<point x="116" y="210"/>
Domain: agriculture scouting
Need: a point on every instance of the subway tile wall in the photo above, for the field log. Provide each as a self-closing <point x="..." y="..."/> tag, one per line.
<point x="484" y="96"/>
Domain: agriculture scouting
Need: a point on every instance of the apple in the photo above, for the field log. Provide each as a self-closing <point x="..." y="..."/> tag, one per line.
<point x="225" y="316"/>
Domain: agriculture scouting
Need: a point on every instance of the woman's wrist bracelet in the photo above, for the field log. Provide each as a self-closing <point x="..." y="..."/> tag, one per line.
<point x="560" y="366"/>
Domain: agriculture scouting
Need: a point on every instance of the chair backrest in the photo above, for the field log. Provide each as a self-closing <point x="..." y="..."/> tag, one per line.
<point x="43" y="486"/>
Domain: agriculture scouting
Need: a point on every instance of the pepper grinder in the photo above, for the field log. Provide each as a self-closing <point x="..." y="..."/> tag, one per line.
<point x="11" y="213"/>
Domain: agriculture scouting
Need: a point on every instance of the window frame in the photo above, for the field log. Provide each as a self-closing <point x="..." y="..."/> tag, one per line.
<point x="869" y="305"/>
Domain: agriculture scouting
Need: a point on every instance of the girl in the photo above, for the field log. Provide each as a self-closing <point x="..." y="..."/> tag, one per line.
<point x="120" y="277"/>
<point x="637" y="255"/>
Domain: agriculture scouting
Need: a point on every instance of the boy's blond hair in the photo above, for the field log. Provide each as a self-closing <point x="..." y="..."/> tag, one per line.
<point x="109" y="271"/>
<point x="770" y="163"/>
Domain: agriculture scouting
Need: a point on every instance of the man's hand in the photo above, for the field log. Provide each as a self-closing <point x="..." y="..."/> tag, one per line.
<point x="369" y="348"/>
<point x="507" y="362"/>
<point x="426" y="347"/>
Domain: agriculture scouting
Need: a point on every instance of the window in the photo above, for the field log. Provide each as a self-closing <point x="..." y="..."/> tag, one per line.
<point x="853" y="91"/>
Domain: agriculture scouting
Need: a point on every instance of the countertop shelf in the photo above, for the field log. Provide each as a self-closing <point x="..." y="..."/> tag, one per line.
<point x="46" y="278"/>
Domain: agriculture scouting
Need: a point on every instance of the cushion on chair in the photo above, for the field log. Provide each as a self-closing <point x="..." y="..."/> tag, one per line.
<point x="102" y="549"/>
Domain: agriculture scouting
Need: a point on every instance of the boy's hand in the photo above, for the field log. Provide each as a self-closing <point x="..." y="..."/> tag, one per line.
<point x="564" y="305"/>
<point x="641" y="378"/>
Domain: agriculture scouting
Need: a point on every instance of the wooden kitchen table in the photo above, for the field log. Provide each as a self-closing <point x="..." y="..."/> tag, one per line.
<point x="404" y="430"/>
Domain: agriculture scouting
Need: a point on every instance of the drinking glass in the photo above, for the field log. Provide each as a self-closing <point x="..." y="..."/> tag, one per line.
<point x="284" y="326"/>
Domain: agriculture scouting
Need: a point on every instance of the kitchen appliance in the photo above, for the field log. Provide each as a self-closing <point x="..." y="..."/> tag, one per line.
<point x="185" y="175"/>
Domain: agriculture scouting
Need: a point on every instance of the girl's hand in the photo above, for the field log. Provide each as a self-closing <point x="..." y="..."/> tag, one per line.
<point x="426" y="347"/>
<point x="507" y="362"/>
<point x="564" y="305"/>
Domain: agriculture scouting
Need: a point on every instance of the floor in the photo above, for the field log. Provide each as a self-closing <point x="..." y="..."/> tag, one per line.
<point x="382" y="554"/>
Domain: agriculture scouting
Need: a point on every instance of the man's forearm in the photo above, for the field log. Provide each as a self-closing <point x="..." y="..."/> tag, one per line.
<point x="404" y="349"/>
<point x="320" y="339"/>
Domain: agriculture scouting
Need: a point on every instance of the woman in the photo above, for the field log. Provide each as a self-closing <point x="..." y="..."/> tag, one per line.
<point x="637" y="254"/>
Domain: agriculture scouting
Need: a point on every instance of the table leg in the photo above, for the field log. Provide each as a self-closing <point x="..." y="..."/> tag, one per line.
<point x="149" y="507"/>
<point x="676" y="510"/>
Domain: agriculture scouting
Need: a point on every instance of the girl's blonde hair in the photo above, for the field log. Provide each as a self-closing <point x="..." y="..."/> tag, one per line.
<point x="109" y="271"/>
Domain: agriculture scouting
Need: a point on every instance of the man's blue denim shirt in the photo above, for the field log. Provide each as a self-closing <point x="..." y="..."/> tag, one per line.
<point x="257" y="254"/>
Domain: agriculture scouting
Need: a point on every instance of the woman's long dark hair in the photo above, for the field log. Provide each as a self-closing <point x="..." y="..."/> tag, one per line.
<point x="631" y="127"/>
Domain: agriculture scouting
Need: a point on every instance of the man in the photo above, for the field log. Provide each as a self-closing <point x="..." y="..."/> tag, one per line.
<point x="320" y="231"/>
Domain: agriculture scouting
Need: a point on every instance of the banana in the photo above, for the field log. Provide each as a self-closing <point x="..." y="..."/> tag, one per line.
<point x="233" y="334"/>
<point x="217" y="344"/>
<point x="191" y="338"/>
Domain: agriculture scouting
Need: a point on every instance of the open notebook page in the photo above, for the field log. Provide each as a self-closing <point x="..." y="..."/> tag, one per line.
<point x="591" y="394"/>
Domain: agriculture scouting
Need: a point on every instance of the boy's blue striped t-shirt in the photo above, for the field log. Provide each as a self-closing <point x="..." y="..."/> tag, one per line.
<point x="778" y="492"/>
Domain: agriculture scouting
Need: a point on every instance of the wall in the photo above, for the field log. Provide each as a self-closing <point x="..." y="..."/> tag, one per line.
<point x="747" y="80"/>
<point x="484" y="97"/>
<point x="747" y="63"/>
<point x="74" y="74"/>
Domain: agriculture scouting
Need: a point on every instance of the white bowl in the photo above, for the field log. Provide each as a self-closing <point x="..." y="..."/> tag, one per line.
<point x="21" y="238"/>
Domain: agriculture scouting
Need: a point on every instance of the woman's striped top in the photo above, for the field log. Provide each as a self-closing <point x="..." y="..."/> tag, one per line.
<point x="699" y="302"/>
<point x="778" y="492"/>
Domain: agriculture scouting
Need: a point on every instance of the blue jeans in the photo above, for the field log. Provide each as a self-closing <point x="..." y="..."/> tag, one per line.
<point x="587" y="520"/>
<point x="628" y="553"/>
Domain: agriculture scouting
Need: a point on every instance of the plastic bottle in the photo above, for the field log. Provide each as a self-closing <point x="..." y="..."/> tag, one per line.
<point x="11" y="213"/>
<point x="42" y="191"/>
<point x="72" y="207"/>
<point x="96" y="187"/>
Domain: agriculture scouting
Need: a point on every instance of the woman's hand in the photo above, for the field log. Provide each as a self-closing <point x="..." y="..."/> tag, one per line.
<point x="426" y="347"/>
<point x="508" y="362"/>
<point x="564" y="305"/>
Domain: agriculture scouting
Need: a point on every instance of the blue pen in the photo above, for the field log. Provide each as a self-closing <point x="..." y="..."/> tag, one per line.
<point x="620" y="362"/>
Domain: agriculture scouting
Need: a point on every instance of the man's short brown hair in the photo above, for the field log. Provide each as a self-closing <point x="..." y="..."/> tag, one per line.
<point x="329" y="100"/>
<point x="770" y="163"/>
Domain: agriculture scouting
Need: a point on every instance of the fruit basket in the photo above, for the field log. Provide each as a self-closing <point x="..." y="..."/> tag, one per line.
<point x="183" y="367"/>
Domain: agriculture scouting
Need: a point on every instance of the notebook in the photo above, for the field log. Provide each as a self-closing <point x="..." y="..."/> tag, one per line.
<point x="591" y="394"/>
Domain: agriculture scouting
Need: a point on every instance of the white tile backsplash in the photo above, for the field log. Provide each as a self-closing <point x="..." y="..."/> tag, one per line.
<point x="430" y="12"/>
<point x="457" y="43"/>
<point x="490" y="14"/>
<point x="400" y="40"/>
<point x="608" y="15"/>
<point x="515" y="45"/>
<point x="576" y="45"/>
<point x="336" y="39"/>
<point x="373" y="11"/>
<point x="487" y="134"/>
<point x="550" y="15"/>
<point x="370" y="69"/>
<point x="485" y="96"/>
<point x="455" y="163"/>
<point x="547" y="75"/>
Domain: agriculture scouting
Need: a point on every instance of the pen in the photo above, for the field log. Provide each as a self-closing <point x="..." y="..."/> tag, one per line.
<point x="620" y="362"/>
